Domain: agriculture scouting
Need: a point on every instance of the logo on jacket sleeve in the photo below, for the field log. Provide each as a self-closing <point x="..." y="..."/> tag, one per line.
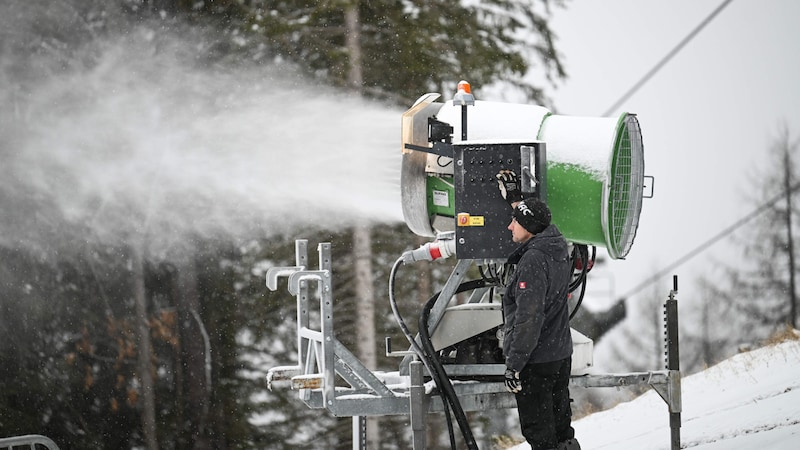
<point x="522" y="285"/>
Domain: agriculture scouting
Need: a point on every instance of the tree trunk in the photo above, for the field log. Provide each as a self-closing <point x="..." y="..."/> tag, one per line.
<point x="144" y="366"/>
<point x="365" y="296"/>
<point x="352" y="36"/>
<point x="787" y="185"/>
<point x="362" y="238"/>
<point x="658" y="331"/>
<point x="705" y="330"/>
<point x="194" y="359"/>
<point x="365" y="306"/>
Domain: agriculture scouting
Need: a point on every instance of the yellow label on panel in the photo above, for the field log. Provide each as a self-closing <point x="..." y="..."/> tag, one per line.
<point x="465" y="220"/>
<point x="476" y="221"/>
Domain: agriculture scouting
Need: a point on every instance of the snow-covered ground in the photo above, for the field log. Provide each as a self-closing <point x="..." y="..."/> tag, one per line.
<point x="750" y="401"/>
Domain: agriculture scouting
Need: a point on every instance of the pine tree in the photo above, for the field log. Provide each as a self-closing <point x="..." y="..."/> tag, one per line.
<point x="410" y="47"/>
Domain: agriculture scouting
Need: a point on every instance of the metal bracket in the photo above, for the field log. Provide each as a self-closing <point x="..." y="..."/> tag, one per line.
<point x="650" y="186"/>
<point x="298" y="279"/>
<point x="390" y="353"/>
<point x="273" y="273"/>
<point x="438" y="148"/>
<point x="533" y="160"/>
<point x="670" y="391"/>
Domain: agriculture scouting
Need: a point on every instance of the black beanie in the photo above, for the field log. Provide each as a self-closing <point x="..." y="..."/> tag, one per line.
<point x="533" y="214"/>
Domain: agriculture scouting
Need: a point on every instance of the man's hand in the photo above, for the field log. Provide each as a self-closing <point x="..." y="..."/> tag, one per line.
<point x="509" y="186"/>
<point x="512" y="381"/>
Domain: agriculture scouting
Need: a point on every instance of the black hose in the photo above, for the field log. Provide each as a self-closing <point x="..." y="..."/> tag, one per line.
<point x="426" y="361"/>
<point x="580" y="253"/>
<point x="396" y="311"/>
<point x="439" y="375"/>
<point x="427" y="354"/>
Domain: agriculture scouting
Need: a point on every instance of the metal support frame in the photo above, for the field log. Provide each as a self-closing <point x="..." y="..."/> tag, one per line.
<point x="321" y="357"/>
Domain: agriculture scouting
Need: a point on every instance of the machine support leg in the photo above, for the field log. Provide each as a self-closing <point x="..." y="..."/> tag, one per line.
<point x="673" y="365"/>
<point x="417" y="405"/>
<point x="359" y="433"/>
<point x="675" y="430"/>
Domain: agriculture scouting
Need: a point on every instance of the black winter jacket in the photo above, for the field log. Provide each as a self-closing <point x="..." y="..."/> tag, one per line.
<point x="535" y="308"/>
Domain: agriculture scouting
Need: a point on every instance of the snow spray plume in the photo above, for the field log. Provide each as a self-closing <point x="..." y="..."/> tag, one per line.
<point x="138" y="138"/>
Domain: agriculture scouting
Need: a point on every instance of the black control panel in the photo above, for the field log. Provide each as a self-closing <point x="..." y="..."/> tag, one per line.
<point x="482" y="215"/>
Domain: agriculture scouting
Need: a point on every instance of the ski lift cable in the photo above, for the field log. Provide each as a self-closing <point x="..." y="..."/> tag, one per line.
<point x="704" y="246"/>
<point x="666" y="58"/>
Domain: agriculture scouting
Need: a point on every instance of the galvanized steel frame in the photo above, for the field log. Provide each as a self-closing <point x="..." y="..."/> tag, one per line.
<point x="321" y="357"/>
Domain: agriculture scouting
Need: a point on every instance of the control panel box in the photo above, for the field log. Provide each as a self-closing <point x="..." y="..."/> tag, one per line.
<point x="482" y="215"/>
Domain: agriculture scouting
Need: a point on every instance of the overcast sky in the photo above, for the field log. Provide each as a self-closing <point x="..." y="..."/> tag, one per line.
<point x="708" y="116"/>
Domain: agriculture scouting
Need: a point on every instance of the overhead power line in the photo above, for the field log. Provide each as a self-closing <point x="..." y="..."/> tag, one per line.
<point x="633" y="90"/>
<point x="702" y="247"/>
<point x="666" y="58"/>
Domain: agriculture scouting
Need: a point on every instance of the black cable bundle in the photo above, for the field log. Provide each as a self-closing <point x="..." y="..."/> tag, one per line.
<point x="580" y="253"/>
<point x="439" y="375"/>
<point x="428" y="355"/>
<point x="426" y="361"/>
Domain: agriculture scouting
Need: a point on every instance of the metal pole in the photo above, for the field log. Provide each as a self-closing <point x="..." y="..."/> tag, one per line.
<point x="417" y="405"/>
<point x="464" y="122"/>
<point x="359" y="433"/>
<point x="673" y="365"/>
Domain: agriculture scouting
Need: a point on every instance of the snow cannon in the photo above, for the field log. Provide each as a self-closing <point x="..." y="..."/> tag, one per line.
<point x="589" y="170"/>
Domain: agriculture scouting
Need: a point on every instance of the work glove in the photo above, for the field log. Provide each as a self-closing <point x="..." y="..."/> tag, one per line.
<point x="513" y="384"/>
<point x="509" y="186"/>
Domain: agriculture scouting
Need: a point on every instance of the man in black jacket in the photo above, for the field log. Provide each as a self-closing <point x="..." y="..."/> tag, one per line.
<point x="537" y="343"/>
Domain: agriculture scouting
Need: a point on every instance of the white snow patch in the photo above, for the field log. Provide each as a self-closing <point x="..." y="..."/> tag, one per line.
<point x="751" y="400"/>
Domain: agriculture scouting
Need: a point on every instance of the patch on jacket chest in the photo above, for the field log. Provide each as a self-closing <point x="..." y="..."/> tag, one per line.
<point x="522" y="285"/>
